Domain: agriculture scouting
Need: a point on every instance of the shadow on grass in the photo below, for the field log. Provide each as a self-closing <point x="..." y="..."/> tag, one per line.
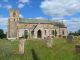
<point x="34" y="55"/>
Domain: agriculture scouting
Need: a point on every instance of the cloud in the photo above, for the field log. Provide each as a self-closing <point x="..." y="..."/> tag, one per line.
<point x="60" y="8"/>
<point x="8" y="6"/>
<point x="3" y="23"/>
<point x="72" y="25"/>
<point x="24" y="1"/>
<point x="5" y="4"/>
<point x="40" y="18"/>
<point x="5" y="0"/>
<point x="20" y="5"/>
<point x="0" y="5"/>
<point x="21" y="16"/>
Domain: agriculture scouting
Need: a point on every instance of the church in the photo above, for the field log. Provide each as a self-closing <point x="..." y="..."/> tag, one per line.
<point x="36" y="28"/>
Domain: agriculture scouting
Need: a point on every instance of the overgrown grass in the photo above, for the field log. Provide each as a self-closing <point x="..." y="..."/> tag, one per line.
<point x="62" y="50"/>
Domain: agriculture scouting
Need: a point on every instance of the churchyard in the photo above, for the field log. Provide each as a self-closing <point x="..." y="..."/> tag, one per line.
<point x="37" y="50"/>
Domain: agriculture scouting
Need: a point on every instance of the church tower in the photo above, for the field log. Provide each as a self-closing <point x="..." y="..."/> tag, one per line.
<point x="12" y="23"/>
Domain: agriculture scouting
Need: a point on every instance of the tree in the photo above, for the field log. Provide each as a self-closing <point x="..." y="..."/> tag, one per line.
<point x="79" y="32"/>
<point x="25" y="34"/>
<point x="2" y="35"/>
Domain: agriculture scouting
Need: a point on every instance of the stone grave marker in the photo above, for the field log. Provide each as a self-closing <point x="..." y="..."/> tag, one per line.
<point x="69" y="38"/>
<point x="21" y="45"/>
<point x="77" y="47"/>
<point x="49" y="42"/>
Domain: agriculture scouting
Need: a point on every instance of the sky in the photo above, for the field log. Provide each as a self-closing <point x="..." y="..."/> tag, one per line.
<point x="67" y="11"/>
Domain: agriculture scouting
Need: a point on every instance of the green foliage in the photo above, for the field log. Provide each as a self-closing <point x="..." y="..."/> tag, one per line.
<point x="60" y="51"/>
<point x="25" y="34"/>
<point x="2" y="35"/>
<point x="77" y="33"/>
<point x="55" y="33"/>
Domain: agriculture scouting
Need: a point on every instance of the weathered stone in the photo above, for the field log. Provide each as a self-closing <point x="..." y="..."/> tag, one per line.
<point x="49" y="42"/>
<point x="21" y="46"/>
<point x="69" y="38"/>
<point x="41" y="28"/>
<point x="77" y="48"/>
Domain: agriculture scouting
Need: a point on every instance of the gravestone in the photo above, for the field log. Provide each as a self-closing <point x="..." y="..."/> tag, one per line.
<point x="77" y="47"/>
<point x="21" y="45"/>
<point x="69" y="38"/>
<point x="49" y="42"/>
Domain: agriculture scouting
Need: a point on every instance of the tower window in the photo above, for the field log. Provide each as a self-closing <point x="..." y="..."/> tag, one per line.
<point x="14" y="14"/>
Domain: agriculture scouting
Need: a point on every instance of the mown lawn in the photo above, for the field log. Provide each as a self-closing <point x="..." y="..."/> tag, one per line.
<point x="37" y="50"/>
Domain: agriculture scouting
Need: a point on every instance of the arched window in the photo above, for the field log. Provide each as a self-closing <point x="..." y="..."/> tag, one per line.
<point x="39" y="34"/>
<point x="53" y="32"/>
<point x="25" y="31"/>
<point x="25" y="34"/>
<point x="62" y="32"/>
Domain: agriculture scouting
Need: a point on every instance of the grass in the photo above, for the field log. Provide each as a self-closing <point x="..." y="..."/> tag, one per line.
<point x="37" y="50"/>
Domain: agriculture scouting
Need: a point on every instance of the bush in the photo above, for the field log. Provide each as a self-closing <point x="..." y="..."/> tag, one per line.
<point x="2" y="35"/>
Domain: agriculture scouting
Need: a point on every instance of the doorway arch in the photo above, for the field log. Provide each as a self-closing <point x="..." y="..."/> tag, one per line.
<point x="39" y="34"/>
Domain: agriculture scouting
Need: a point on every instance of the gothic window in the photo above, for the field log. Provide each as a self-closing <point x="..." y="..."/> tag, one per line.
<point x="53" y="32"/>
<point x="25" y="33"/>
<point x="63" y="32"/>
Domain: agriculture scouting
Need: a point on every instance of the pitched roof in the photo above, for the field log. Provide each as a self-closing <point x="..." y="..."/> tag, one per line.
<point x="43" y="21"/>
<point x="59" y="24"/>
<point x="35" y="21"/>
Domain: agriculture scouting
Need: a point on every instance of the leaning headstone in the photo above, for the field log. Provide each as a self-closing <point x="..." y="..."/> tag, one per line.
<point x="49" y="42"/>
<point x="77" y="47"/>
<point x="69" y="38"/>
<point x="21" y="45"/>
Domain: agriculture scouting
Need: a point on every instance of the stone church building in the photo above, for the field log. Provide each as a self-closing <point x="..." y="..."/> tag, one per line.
<point x="36" y="28"/>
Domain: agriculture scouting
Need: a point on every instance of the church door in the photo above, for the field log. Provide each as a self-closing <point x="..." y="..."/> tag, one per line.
<point x="39" y="34"/>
